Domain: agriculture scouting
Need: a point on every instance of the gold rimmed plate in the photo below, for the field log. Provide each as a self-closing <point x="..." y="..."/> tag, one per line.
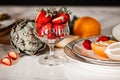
<point x="76" y="51"/>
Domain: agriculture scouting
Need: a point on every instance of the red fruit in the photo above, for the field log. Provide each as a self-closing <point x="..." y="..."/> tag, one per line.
<point x="40" y="32"/>
<point x="59" y="27"/>
<point x="103" y="38"/>
<point x="58" y="20"/>
<point x="87" y="44"/>
<point x="13" y="55"/>
<point x="62" y="18"/>
<point x="59" y="30"/>
<point x="43" y="17"/>
<point x="47" y="28"/>
<point x="66" y="16"/>
<point x="6" y="61"/>
<point x="61" y="35"/>
<point x="38" y="25"/>
<point x="40" y="14"/>
<point x="51" y="36"/>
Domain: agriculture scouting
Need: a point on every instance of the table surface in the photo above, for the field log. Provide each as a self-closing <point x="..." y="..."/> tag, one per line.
<point x="27" y="68"/>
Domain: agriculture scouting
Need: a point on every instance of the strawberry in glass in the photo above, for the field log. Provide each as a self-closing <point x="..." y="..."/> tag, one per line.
<point x="52" y="25"/>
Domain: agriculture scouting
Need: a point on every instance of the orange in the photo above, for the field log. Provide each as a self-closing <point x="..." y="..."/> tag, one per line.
<point x="99" y="47"/>
<point x="86" y="26"/>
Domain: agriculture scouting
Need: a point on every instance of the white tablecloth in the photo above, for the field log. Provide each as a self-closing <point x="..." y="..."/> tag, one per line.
<point x="27" y="68"/>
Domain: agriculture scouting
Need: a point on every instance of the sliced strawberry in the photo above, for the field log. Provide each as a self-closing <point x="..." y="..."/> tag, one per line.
<point x="40" y="15"/>
<point x="59" y="27"/>
<point x="62" y="18"/>
<point x="51" y="36"/>
<point x="87" y="44"/>
<point x="58" y="20"/>
<point x="103" y="38"/>
<point x="6" y="61"/>
<point x="43" y="16"/>
<point x="66" y="16"/>
<point x="13" y="55"/>
<point x="47" y="28"/>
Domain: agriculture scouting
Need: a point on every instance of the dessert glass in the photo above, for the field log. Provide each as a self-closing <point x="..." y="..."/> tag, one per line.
<point x="51" y="36"/>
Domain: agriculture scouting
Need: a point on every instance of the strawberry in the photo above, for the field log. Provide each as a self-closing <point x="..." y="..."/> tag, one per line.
<point x="59" y="27"/>
<point x="61" y="35"/>
<point x="6" y="61"/>
<point x="87" y="44"/>
<point x="102" y="38"/>
<point x="66" y="16"/>
<point x="38" y="25"/>
<point x="40" y="14"/>
<point x="51" y="36"/>
<point x="43" y="16"/>
<point x="58" y="20"/>
<point x="47" y="28"/>
<point x="13" y="55"/>
<point x="40" y="32"/>
<point x="63" y="16"/>
<point x="59" y="30"/>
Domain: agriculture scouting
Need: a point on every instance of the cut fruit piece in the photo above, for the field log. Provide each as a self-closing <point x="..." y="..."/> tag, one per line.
<point x="99" y="47"/>
<point x="13" y="55"/>
<point x="113" y="51"/>
<point x="6" y="61"/>
<point x="66" y="40"/>
<point x="116" y="32"/>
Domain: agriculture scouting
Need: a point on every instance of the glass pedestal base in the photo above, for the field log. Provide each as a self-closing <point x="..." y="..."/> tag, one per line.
<point x="51" y="60"/>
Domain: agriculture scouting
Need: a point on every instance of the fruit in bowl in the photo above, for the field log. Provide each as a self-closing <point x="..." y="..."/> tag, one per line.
<point x="51" y="27"/>
<point x="52" y="23"/>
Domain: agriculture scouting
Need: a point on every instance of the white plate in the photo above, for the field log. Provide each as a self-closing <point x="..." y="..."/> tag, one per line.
<point x="72" y="50"/>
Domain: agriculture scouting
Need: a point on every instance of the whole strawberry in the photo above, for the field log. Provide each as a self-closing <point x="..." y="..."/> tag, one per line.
<point x="87" y="44"/>
<point x="45" y="16"/>
<point x="63" y="16"/>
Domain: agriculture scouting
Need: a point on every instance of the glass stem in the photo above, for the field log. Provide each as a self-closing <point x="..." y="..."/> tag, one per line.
<point x="52" y="49"/>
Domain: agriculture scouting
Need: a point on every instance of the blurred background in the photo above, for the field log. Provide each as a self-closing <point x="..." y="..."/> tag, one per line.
<point x="62" y="2"/>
